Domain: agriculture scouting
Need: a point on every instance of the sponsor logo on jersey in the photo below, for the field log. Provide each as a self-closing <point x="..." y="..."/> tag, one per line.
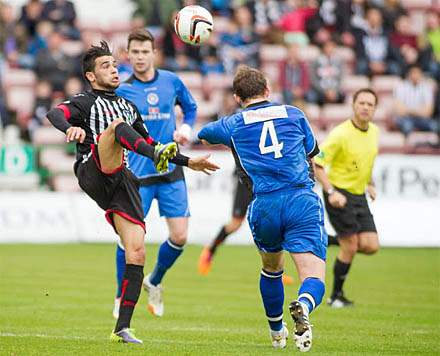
<point x="153" y="110"/>
<point x="264" y="114"/>
<point x="152" y="99"/>
<point x="109" y="112"/>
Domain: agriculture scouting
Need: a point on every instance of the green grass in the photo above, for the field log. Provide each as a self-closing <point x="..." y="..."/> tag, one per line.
<point x="58" y="300"/>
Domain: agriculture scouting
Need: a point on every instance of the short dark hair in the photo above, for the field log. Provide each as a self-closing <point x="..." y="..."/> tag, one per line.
<point x="140" y="34"/>
<point x="249" y="83"/>
<point x="365" y="90"/>
<point x="94" y="52"/>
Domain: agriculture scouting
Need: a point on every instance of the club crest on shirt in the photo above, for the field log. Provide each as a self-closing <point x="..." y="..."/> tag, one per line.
<point x="128" y="116"/>
<point x="152" y="98"/>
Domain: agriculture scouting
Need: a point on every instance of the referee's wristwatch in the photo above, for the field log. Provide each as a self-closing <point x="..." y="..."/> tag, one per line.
<point x="330" y="191"/>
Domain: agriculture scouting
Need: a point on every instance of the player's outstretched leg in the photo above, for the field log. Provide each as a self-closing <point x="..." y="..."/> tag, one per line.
<point x="272" y="293"/>
<point x="310" y="296"/>
<point x="169" y="251"/>
<point x="130" y="139"/>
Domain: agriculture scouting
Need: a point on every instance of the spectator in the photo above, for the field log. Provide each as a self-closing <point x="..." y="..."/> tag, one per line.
<point x="429" y="43"/>
<point x="326" y="76"/>
<point x="31" y="15"/>
<point x="406" y="42"/>
<point x="62" y="14"/>
<point x="265" y="14"/>
<point x="392" y="9"/>
<point x="156" y="13"/>
<point x="358" y="9"/>
<point x="13" y="39"/>
<point x="294" y="77"/>
<point x="52" y="64"/>
<point x="374" y="53"/>
<point x="179" y="56"/>
<point x="332" y="20"/>
<point x="43" y="103"/>
<point x="414" y="103"/>
<point x="41" y="38"/>
<point x="293" y="23"/>
<point x="4" y="119"/>
<point x="241" y="44"/>
<point x="210" y="62"/>
<point x="74" y="85"/>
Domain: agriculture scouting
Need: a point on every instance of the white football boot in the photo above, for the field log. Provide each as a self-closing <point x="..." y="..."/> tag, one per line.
<point x="279" y="337"/>
<point x="303" y="329"/>
<point x="155" y="303"/>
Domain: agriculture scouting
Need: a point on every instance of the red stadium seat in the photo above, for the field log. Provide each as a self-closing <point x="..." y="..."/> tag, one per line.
<point x="352" y="83"/>
<point x="56" y="161"/>
<point x="410" y="5"/>
<point x="18" y="78"/>
<point x="308" y="54"/>
<point x="272" y="53"/>
<point x="216" y="81"/>
<point x="192" y="80"/>
<point x="347" y="55"/>
<point x="391" y="142"/>
<point x="334" y="114"/>
<point x="21" y="100"/>
<point x="313" y="112"/>
<point x="65" y="183"/>
<point x="384" y="84"/>
<point x="46" y="135"/>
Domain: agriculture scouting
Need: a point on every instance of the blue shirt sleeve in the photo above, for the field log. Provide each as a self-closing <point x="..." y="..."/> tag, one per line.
<point x="218" y="132"/>
<point x="189" y="106"/>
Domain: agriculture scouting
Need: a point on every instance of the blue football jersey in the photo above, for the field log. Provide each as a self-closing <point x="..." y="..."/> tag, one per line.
<point x="155" y="101"/>
<point x="270" y="142"/>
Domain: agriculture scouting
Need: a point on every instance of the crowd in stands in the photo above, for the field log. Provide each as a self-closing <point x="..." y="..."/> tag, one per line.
<point x="316" y="53"/>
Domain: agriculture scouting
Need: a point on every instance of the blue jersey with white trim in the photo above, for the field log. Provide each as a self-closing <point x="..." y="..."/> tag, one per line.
<point x="155" y="101"/>
<point x="271" y="143"/>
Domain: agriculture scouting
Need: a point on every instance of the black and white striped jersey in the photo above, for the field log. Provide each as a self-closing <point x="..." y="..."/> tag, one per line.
<point x="94" y="112"/>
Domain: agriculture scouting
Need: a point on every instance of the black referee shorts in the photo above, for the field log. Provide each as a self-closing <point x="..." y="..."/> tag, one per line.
<point x="353" y="218"/>
<point x="242" y="198"/>
<point x="116" y="192"/>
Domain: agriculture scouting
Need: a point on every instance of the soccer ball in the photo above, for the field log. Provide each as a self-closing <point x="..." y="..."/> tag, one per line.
<point x="193" y="24"/>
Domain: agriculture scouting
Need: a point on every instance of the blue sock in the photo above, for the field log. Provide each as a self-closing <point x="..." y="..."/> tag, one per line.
<point x="120" y="267"/>
<point x="272" y="293"/>
<point x="311" y="292"/>
<point x="169" y="251"/>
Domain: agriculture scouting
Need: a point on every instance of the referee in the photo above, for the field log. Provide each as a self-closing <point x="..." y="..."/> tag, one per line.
<point x="349" y="153"/>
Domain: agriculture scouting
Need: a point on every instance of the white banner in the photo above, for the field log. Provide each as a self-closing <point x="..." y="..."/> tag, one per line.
<point x="406" y="211"/>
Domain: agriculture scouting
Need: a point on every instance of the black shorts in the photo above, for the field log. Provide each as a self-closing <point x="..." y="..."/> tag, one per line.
<point x="353" y="218"/>
<point x="116" y="192"/>
<point x="242" y="198"/>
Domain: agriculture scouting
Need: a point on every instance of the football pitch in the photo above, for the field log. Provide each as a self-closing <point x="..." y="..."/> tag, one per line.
<point x="58" y="300"/>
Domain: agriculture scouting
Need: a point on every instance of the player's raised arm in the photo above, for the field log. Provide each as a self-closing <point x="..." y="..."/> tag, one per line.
<point x="60" y="116"/>
<point x="216" y="133"/>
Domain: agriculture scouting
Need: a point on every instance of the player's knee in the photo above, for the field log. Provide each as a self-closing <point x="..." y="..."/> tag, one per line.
<point x="179" y="237"/>
<point x="370" y="249"/>
<point x="273" y="266"/>
<point x="135" y="255"/>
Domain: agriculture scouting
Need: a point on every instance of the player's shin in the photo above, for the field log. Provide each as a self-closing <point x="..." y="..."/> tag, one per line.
<point x="131" y="140"/>
<point x="120" y="267"/>
<point x="169" y="251"/>
<point x="311" y="292"/>
<point x="272" y="293"/>
<point x="131" y="288"/>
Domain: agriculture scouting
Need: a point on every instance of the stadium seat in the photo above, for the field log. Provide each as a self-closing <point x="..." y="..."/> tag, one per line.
<point x="27" y="182"/>
<point x="56" y="160"/>
<point x="308" y="54"/>
<point x="347" y="55"/>
<point x="411" y="5"/>
<point x="417" y="21"/>
<point x="21" y="100"/>
<point x="384" y="84"/>
<point x="272" y="53"/>
<point x="47" y="135"/>
<point x="334" y="114"/>
<point x="383" y="116"/>
<point x="65" y="183"/>
<point x="419" y="138"/>
<point x="320" y="135"/>
<point x="272" y="71"/>
<point x="313" y="112"/>
<point x="216" y="81"/>
<point x="391" y="142"/>
<point x="192" y="80"/>
<point x="18" y="78"/>
<point x="352" y="83"/>
<point x="72" y="48"/>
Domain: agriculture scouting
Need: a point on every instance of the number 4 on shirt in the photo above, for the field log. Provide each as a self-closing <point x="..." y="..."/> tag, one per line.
<point x="276" y="146"/>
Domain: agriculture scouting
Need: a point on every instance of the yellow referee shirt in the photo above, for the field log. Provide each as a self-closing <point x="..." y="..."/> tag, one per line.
<point x="349" y="154"/>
